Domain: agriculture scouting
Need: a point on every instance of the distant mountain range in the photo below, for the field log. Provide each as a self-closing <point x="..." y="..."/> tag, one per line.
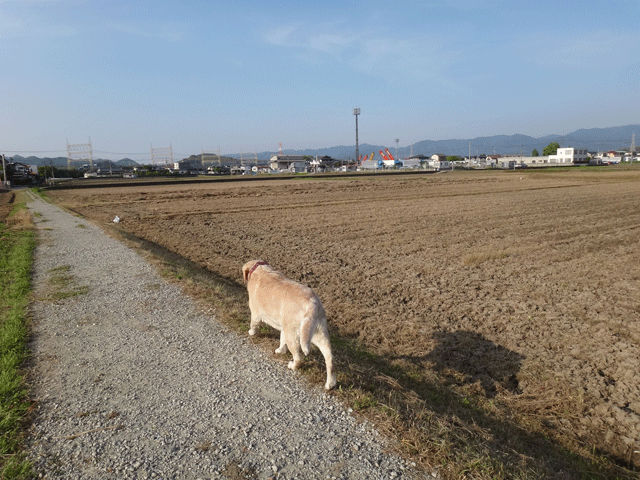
<point x="593" y="139"/>
<point x="62" y="161"/>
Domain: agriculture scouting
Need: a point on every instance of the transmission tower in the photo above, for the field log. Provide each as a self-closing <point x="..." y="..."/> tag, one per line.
<point x="208" y="158"/>
<point x="633" y="144"/>
<point x="80" y="153"/>
<point x="164" y="155"/>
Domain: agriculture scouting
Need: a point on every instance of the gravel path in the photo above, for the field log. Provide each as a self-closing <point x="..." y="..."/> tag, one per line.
<point x="134" y="380"/>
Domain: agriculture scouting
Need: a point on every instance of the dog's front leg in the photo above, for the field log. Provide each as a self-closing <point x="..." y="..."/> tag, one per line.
<point x="296" y="351"/>
<point x="283" y="344"/>
<point x="255" y="323"/>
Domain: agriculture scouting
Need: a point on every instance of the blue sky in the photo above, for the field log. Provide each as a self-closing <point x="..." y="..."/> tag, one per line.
<point x="243" y="76"/>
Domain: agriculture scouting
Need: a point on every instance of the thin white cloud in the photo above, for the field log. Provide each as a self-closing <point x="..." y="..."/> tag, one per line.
<point x="166" y="32"/>
<point x="364" y="51"/>
<point x="466" y="5"/>
<point x="28" y="1"/>
<point x="284" y="36"/>
<point x="32" y="21"/>
<point x="601" y="48"/>
<point x="12" y="26"/>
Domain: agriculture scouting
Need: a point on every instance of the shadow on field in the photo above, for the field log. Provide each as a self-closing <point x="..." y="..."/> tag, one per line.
<point x="412" y="399"/>
<point x="470" y="358"/>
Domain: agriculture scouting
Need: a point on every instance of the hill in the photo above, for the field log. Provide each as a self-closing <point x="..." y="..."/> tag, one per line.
<point x="593" y="139"/>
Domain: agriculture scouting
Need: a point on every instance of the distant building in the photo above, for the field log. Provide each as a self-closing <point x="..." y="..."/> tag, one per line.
<point x="110" y="171"/>
<point x="292" y="163"/>
<point x="438" y="161"/>
<point x="189" y="165"/>
<point x="480" y="161"/>
<point x="261" y="169"/>
<point x="324" y="164"/>
<point x="414" y="162"/>
<point x="569" y="156"/>
<point x="564" y="156"/>
<point x="371" y="165"/>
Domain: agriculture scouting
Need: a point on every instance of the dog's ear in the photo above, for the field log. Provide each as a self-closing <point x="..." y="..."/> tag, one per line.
<point x="245" y="272"/>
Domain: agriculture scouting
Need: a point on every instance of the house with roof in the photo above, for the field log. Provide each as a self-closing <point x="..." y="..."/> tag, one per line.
<point x="323" y="164"/>
<point x="291" y="163"/>
<point x="438" y="161"/>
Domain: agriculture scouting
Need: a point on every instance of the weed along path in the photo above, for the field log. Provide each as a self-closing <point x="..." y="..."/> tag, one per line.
<point x="132" y="379"/>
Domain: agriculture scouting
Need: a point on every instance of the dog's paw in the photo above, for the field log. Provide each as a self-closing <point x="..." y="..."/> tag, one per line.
<point x="281" y="350"/>
<point x="330" y="383"/>
<point x="292" y="365"/>
<point x="252" y="331"/>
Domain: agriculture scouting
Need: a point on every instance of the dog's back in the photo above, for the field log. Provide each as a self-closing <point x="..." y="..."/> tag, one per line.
<point x="277" y="297"/>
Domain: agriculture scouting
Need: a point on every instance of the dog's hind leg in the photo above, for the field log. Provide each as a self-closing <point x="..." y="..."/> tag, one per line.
<point x="322" y="342"/>
<point x="283" y="344"/>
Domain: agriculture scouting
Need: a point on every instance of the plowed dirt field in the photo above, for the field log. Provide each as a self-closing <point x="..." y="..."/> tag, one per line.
<point x="523" y="287"/>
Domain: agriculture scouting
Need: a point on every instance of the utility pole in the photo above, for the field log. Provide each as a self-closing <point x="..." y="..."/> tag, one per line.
<point x="4" y="170"/>
<point x="356" y="112"/>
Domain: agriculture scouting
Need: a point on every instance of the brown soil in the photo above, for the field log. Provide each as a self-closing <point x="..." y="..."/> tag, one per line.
<point x="520" y="287"/>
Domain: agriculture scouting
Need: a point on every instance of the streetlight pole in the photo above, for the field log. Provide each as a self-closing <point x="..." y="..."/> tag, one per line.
<point x="356" y="112"/>
<point x="4" y="170"/>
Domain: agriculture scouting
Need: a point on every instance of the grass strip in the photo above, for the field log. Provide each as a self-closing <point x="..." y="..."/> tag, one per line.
<point x="16" y="256"/>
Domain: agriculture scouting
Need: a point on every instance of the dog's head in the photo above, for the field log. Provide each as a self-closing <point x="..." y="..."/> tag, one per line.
<point x="249" y="267"/>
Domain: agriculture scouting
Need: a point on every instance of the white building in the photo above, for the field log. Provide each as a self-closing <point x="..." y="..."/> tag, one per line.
<point x="189" y="165"/>
<point x="438" y="162"/>
<point x="261" y="169"/>
<point x="569" y="156"/>
<point x="370" y="165"/>
<point x="414" y="163"/>
<point x="564" y="156"/>
<point x="291" y="163"/>
<point x="323" y="164"/>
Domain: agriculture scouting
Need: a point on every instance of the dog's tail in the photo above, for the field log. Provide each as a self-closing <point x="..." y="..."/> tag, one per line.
<point x="309" y="324"/>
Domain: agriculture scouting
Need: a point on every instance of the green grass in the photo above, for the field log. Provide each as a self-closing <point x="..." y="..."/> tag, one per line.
<point x="62" y="285"/>
<point x="16" y="253"/>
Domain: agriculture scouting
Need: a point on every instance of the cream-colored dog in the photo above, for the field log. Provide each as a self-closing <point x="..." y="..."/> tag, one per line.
<point x="292" y="308"/>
